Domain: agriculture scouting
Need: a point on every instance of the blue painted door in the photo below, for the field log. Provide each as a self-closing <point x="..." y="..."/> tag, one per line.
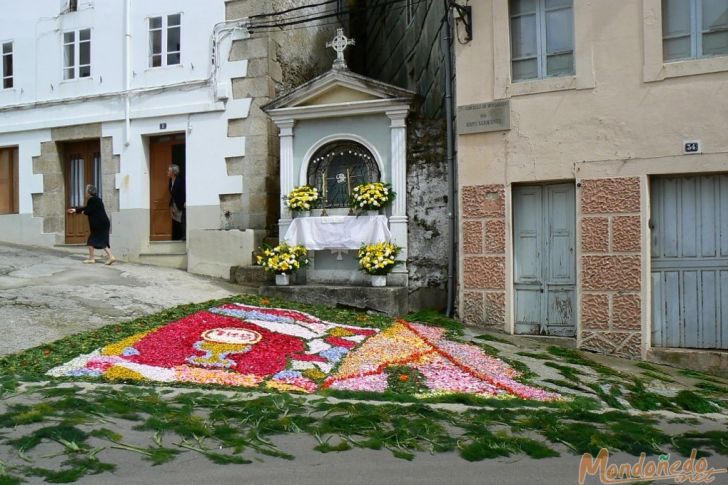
<point x="689" y="222"/>
<point x="544" y="260"/>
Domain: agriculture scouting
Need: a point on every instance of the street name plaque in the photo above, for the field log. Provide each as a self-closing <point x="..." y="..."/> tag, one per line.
<point x="484" y="117"/>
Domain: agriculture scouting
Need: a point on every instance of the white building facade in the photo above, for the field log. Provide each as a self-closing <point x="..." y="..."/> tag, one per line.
<point x="112" y="93"/>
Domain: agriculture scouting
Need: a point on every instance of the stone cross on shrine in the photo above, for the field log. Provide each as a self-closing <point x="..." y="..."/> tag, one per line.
<point x="339" y="43"/>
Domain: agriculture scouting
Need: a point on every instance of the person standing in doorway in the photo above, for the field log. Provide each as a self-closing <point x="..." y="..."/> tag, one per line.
<point x="177" y="202"/>
<point x="99" y="224"/>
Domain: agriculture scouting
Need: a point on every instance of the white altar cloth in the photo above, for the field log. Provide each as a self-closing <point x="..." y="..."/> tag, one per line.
<point x="337" y="232"/>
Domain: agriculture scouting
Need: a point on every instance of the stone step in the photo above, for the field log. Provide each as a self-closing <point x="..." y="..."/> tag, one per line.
<point x="250" y="275"/>
<point x="166" y="247"/>
<point x="390" y="300"/>
<point x="178" y="261"/>
<point x="74" y="248"/>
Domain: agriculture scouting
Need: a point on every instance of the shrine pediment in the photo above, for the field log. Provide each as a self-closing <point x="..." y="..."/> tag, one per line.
<point x="340" y="87"/>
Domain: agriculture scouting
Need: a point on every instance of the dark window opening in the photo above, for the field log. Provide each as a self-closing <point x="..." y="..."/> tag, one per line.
<point x="337" y="167"/>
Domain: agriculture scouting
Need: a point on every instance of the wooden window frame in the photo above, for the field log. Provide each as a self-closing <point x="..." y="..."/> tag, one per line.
<point x="696" y="33"/>
<point x="542" y="54"/>
<point x="164" y="29"/>
<point x="73" y="70"/>
<point x="6" y="79"/>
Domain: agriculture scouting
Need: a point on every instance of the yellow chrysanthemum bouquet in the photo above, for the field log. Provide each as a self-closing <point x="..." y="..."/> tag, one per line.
<point x="379" y="258"/>
<point x="302" y="198"/>
<point x="372" y="196"/>
<point x="282" y="259"/>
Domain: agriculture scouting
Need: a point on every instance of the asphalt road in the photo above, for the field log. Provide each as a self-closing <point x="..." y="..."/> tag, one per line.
<point x="48" y="294"/>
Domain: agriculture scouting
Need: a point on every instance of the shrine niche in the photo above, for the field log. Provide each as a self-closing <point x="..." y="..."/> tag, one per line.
<point x="337" y="131"/>
<point x="337" y="167"/>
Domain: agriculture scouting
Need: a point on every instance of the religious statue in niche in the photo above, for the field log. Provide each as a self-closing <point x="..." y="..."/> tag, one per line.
<point x="337" y="167"/>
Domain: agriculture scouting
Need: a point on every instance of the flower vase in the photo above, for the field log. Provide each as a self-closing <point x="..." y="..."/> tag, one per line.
<point x="372" y="213"/>
<point x="283" y="279"/>
<point x="303" y="213"/>
<point x="379" y="280"/>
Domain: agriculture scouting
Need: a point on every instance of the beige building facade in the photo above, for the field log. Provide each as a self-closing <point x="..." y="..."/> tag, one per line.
<point x="598" y="207"/>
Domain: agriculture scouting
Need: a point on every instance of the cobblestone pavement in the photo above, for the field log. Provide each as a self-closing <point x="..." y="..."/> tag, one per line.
<point x="47" y="294"/>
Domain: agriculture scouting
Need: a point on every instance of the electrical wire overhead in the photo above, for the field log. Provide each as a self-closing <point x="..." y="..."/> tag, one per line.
<point x="264" y="21"/>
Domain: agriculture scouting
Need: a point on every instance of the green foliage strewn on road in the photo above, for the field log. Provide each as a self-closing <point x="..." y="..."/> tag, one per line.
<point x="81" y="425"/>
<point x="61" y="430"/>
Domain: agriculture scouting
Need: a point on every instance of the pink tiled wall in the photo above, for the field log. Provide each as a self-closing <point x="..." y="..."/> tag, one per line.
<point x="611" y="266"/>
<point x="483" y="254"/>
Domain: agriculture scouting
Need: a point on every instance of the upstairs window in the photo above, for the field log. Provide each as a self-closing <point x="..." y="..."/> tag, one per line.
<point x="77" y="54"/>
<point x="694" y="28"/>
<point x="7" y="65"/>
<point x="542" y="39"/>
<point x="165" y="46"/>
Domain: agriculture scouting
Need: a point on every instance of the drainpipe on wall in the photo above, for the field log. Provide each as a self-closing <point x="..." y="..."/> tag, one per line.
<point x="451" y="170"/>
<point x="127" y="73"/>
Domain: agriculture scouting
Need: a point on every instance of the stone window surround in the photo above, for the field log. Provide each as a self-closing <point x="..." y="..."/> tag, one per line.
<point x="655" y="68"/>
<point x="503" y="87"/>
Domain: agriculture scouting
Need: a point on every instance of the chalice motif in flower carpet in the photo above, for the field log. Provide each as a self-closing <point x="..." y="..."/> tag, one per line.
<point x="233" y="344"/>
<point x="218" y="343"/>
<point x="247" y="346"/>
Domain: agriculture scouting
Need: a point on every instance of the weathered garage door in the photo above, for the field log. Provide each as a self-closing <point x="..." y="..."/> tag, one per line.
<point x="544" y="263"/>
<point x="690" y="261"/>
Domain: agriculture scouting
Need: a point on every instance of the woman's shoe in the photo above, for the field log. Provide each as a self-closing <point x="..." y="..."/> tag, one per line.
<point x="89" y="261"/>
<point x="110" y="261"/>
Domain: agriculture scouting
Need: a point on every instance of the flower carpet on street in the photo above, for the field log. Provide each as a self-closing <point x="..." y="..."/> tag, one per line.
<point x="249" y="346"/>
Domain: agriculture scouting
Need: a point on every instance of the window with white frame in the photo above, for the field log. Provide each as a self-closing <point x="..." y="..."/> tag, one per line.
<point x="77" y="54"/>
<point x="542" y="38"/>
<point x="7" y="65"/>
<point x="165" y="40"/>
<point x="694" y="28"/>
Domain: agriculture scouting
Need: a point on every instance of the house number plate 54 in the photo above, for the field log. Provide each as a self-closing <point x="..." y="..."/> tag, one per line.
<point x="692" y="146"/>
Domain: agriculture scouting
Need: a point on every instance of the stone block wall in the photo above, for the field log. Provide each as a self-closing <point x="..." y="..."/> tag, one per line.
<point x="428" y="235"/>
<point x="611" y="266"/>
<point x="278" y="61"/>
<point x="483" y="246"/>
<point x="408" y="55"/>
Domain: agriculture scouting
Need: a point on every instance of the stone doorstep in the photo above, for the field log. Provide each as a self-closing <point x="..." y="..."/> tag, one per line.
<point x="702" y="360"/>
<point x="167" y="260"/>
<point x="165" y="247"/>
<point x="390" y="300"/>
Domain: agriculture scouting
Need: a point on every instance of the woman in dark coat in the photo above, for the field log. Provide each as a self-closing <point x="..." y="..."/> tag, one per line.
<point x="177" y="202"/>
<point x="99" y="224"/>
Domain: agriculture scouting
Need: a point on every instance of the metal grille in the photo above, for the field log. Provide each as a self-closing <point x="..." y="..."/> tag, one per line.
<point x="336" y="168"/>
<point x="77" y="185"/>
<point x="97" y="174"/>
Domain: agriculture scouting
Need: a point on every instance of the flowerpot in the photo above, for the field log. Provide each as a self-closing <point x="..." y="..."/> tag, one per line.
<point x="379" y="280"/>
<point x="283" y="279"/>
<point x="372" y="213"/>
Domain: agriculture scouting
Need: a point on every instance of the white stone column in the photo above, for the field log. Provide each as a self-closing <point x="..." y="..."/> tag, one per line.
<point x="287" y="178"/>
<point x="398" y="165"/>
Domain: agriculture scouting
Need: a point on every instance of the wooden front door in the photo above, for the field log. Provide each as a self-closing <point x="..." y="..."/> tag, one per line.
<point x="163" y="151"/>
<point x="82" y="166"/>
<point x="9" y="180"/>
<point x="545" y="264"/>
